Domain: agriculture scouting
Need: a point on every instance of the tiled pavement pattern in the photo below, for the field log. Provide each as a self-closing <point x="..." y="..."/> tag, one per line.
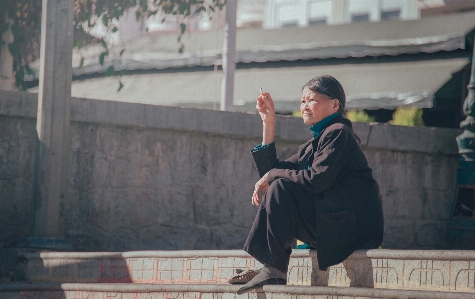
<point x="206" y="291"/>
<point x="138" y="267"/>
<point x="449" y="271"/>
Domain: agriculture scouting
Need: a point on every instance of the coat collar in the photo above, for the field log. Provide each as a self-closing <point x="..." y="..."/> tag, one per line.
<point x="336" y="119"/>
<point x="318" y="127"/>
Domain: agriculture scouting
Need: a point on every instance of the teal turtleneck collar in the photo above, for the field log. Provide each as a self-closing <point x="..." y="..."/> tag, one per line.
<point x="317" y="128"/>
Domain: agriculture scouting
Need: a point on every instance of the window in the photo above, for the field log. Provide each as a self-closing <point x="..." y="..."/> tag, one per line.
<point x="355" y="18"/>
<point x="390" y="15"/>
<point x="321" y="21"/>
<point x="319" y="12"/>
<point x="288" y="14"/>
<point x="289" y="24"/>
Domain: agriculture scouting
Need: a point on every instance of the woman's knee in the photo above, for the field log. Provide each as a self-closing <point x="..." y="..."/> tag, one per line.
<point x="279" y="192"/>
<point x="281" y="185"/>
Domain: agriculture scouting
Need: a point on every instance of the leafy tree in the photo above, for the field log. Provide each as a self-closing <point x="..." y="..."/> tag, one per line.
<point x="407" y="116"/>
<point x="23" y="18"/>
<point x="359" y="116"/>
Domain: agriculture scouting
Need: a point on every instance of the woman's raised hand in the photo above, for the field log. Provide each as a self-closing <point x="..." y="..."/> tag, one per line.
<point x="265" y="107"/>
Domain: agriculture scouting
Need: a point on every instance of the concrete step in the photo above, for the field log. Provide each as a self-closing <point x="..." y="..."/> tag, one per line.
<point x="434" y="270"/>
<point x="208" y="291"/>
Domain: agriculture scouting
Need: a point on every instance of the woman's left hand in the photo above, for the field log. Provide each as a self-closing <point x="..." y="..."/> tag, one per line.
<point x="260" y="189"/>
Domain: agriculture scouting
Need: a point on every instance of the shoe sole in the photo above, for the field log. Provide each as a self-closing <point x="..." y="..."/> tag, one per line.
<point x="270" y="281"/>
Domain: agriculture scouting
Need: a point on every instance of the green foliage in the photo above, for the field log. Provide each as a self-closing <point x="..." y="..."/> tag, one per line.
<point x="3" y="27"/>
<point x="297" y="113"/>
<point x="23" y="18"/>
<point x="401" y="117"/>
<point x="359" y="116"/>
<point x="102" y="57"/>
<point x="407" y="117"/>
<point x="13" y="48"/>
<point x="110" y="71"/>
<point x="28" y="70"/>
<point x="353" y="115"/>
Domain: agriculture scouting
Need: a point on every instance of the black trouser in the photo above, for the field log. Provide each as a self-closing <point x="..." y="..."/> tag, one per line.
<point x="287" y="212"/>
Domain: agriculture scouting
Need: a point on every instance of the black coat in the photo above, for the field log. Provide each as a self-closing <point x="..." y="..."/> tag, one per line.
<point x="347" y="198"/>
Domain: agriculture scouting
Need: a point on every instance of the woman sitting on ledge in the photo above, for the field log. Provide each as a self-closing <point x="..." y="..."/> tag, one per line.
<point x="324" y="195"/>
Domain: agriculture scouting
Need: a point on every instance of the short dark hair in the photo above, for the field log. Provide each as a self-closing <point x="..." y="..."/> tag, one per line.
<point x="330" y="88"/>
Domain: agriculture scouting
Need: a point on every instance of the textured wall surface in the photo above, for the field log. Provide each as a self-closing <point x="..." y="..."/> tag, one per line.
<point x="17" y="147"/>
<point x="149" y="177"/>
<point x="417" y="190"/>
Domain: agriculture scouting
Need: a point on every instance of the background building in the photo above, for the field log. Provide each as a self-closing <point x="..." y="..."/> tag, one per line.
<point x="271" y="14"/>
<point x="283" y="13"/>
<point x="419" y="62"/>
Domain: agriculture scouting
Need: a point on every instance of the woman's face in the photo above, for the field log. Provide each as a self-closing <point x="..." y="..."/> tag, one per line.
<point x="315" y="106"/>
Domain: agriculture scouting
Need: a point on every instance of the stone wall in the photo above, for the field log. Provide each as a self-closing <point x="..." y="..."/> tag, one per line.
<point x="146" y="177"/>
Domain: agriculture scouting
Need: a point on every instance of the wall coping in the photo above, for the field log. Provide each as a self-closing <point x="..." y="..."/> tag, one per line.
<point x="373" y="135"/>
<point x="280" y="291"/>
<point x="440" y="255"/>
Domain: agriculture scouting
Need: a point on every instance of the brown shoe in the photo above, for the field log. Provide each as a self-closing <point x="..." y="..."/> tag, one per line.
<point x="243" y="276"/>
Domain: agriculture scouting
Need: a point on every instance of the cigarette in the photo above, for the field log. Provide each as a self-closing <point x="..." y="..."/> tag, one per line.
<point x="261" y="90"/>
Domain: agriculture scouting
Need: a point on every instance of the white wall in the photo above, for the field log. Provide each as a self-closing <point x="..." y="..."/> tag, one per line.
<point x="408" y="8"/>
<point x="279" y="13"/>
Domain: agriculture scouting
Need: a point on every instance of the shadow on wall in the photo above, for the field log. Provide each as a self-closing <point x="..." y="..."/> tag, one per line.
<point x="66" y="274"/>
<point x="26" y="268"/>
<point x="354" y="272"/>
<point x="12" y="265"/>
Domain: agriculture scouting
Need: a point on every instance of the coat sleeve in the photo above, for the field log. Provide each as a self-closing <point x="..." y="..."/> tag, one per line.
<point x="265" y="159"/>
<point x="329" y="163"/>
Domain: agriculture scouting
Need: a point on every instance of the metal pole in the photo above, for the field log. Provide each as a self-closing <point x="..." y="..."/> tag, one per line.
<point x="229" y="56"/>
<point x="461" y="227"/>
<point x="466" y="141"/>
<point x="52" y="126"/>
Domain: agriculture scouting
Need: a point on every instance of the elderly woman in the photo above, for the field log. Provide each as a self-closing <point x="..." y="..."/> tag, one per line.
<point x="324" y="195"/>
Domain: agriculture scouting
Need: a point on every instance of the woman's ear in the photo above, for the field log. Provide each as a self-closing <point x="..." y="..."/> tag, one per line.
<point x="336" y="104"/>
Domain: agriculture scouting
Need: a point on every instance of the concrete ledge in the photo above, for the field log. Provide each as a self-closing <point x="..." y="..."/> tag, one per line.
<point x="449" y="255"/>
<point x="417" y="139"/>
<point x="426" y="140"/>
<point x="439" y="270"/>
<point x="68" y="290"/>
